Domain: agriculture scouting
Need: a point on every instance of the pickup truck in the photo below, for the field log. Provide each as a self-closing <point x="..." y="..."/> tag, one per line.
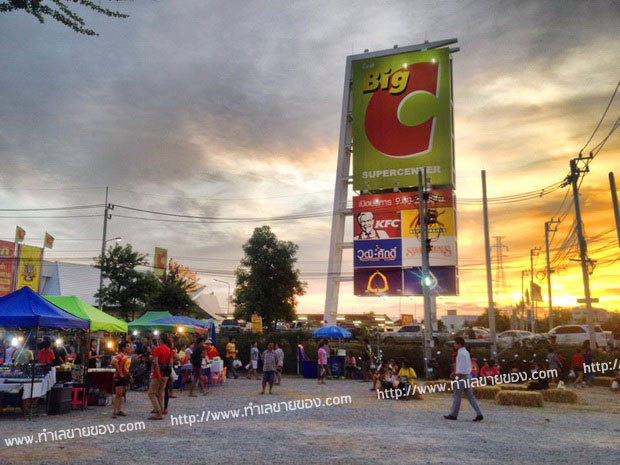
<point x="412" y="334"/>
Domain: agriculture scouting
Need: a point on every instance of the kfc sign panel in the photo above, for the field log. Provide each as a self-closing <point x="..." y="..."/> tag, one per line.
<point x="385" y="252"/>
<point x="369" y="225"/>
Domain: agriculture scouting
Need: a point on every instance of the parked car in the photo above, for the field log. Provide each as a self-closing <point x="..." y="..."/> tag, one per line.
<point x="412" y="334"/>
<point x="230" y="326"/>
<point x="303" y="326"/>
<point x="479" y="337"/>
<point x="577" y="335"/>
<point x="515" y="338"/>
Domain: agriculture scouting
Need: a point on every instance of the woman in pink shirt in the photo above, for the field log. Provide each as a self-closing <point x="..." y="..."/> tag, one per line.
<point x="322" y="362"/>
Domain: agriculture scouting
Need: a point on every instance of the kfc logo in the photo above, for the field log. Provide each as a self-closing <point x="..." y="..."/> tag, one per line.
<point x="369" y="225"/>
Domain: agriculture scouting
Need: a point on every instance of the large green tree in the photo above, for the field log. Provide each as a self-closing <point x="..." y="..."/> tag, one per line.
<point x="174" y="293"/>
<point x="129" y="290"/>
<point x="267" y="281"/>
<point x="61" y="11"/>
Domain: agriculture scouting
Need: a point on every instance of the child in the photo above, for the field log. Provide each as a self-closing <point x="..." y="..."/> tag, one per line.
<point x="350" y="364"/>
<point x="254" y="356"/>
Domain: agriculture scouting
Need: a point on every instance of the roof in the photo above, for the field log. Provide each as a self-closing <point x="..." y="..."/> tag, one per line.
<point x="99" y="321"/>
<point x="26" y="309"/>
<point x="74" y="279"/>
<point x="209" y="305"/>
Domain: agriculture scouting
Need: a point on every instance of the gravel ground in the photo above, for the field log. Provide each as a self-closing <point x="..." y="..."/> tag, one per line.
<point x="366" y="431"/>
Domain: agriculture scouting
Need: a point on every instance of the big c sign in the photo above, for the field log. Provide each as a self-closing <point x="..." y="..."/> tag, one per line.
<point x="402" y="120"/>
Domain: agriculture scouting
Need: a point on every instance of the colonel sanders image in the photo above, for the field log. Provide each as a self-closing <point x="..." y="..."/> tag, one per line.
<point x="367" y="225"/>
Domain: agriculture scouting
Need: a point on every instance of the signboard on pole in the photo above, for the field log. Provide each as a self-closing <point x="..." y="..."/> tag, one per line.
<point x="257" y="324"/>
<point x="160" y="262"/>
<point x="402" y="120"/>
<point x="7" y="265"/>
<point x="29" y="267"/>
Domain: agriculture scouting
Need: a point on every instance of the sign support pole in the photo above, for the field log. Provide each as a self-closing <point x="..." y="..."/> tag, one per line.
<point x="487" y="253"/>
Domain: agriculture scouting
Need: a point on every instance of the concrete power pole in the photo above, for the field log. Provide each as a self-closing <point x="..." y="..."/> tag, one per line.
<point x="614" y="200"/>
<point x="487" y="252"/>
<point x="573" y="179"/>
<point x="548" y="228"/>
<point x="533" y="253"/>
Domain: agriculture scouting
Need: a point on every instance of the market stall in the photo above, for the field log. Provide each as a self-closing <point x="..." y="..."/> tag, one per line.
<point x="25" y="309"/>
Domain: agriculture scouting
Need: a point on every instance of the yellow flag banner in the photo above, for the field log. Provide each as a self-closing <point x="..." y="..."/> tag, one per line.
<point x="160" y="263"/>
<point x="29" y="268"/>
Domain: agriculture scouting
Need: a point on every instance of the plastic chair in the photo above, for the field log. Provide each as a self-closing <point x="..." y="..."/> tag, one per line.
<point x="77" y="400"/>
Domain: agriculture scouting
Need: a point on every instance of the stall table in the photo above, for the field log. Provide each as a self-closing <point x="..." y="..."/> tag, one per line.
<point x="102" y="379"/>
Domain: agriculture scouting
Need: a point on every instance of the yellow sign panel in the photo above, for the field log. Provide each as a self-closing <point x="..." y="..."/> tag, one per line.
<point x="442" y="225"/>
<point x="29" y="269"/>
<point x="257" y="324"/>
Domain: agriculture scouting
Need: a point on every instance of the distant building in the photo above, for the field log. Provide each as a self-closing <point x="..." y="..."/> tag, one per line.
<point x="356" y="319"/>
<point x="579" y="315"/>
<point x="454" y="322"/>
<point x="63" y="278"/>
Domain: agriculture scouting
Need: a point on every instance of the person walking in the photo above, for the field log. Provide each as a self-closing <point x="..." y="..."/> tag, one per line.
<point x="462" y="375"/>
<point x="280" y="363"/>
<point x="122" y="378"/>
<point x="366" y="361"/>
<point x="270" y="364"/>
<point x="588" y="360"/>
<point x="161" y="361"/>
<point x="254" y="357"/>
<point x="231" y="355"/>
<point x="322" y="363"/>
<point x="196" y="361"/>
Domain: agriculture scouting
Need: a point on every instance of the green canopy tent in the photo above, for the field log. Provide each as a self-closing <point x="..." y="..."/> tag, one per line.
<point x="99" y="321"/>
<point x="145" y="323"/>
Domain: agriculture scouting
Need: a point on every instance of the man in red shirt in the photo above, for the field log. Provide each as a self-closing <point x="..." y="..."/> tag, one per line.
<point x="577" y="364"/>
<point x="45" y="355"/>
<point x="161" y="360"/>
<point x="211" y="350"/>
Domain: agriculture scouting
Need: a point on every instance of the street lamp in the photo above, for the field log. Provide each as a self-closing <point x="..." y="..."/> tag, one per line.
<point x="228" y="300"/>
<point x="103" y="243"/>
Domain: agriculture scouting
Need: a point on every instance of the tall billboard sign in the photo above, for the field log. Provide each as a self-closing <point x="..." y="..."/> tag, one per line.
<point x="160" y="262"/>
<point x="402" y="120"/>
<point x="7" y="265"/>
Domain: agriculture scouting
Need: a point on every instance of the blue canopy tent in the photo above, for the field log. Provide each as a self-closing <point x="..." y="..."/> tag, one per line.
<point x="332" y="332"/>
<point x="25" y="308"/>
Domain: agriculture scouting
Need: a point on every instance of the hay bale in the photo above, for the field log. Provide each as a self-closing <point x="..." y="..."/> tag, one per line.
<point x="562" y="396"/>
<point x="486" y="392"/>
<point x="518" y="398"/>
<point x="553" y="385"/>
<point x="604" y="381"/>
<point x="512" y="387"/>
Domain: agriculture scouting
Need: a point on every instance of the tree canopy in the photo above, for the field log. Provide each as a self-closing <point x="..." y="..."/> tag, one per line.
<point x="267" y="282"/>
<point x="174" y="292"/>
<point x="61" y="11"/>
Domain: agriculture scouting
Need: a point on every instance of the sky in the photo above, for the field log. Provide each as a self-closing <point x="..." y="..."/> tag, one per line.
<point x="232" y="110"/>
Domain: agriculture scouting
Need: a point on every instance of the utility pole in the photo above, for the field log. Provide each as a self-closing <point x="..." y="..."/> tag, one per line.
<point x="523" y="321"/>
<point x="614" y="201"/>
<point x="573" y="179"/>
<point x="487" y="252"/>
<point x="548" y="228"/>
<point x="426" y="278"/>
<point x="500" y="275"/>
<point x="106" y="217"/>
<point x="533" y="253"/>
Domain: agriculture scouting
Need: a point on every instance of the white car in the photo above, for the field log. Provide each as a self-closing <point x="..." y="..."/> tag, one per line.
<point x="515" y="337"/>
<point x="577" y="335"/>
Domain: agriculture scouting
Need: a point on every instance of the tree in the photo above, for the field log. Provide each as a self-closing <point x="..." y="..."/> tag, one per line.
<point x="60" y="11"/>
<point x="130" y="290"/>
<point x="174" y="292"/>
<point x="267" y="282"/>
<point x="502" y="322"/>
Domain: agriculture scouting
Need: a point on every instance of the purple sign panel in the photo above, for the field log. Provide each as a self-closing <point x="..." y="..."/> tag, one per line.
<point x="378" y="281"/>
<point x="447" y="283"/>
<point x="382" y="252"/>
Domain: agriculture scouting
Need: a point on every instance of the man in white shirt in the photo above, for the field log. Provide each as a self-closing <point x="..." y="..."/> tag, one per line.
<point x="462" y="376"/>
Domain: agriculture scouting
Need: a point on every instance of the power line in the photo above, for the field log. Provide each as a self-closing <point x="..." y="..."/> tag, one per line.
<point x="613" y="96"/>
<point x="73" y="207"/>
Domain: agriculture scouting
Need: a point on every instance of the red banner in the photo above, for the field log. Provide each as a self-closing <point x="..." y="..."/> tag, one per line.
<point x="7" y="267"/>
<point x="396" y="201"/>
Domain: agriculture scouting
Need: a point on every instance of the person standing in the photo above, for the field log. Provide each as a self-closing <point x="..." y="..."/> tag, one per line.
<point x="462" y="375"/>
<point x="24" y="356"/>
<point x="254" y="357"/>
<point x="45" y="355"/>
<point x="122" y="378"/>
<point x="196" y="360"/>
<point x="161" y="360"/>
<point x="587" y="362"/>
<point x="366" y="360"/>
<point x="231" y="355"/>
<point x="322" y="363"/>
<point x="280" y="363"/>
<point x="92" y="354"/>
<point x="270" y="364"/>
<point x="577" y="366"/>
<point x="554" y="364"/>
